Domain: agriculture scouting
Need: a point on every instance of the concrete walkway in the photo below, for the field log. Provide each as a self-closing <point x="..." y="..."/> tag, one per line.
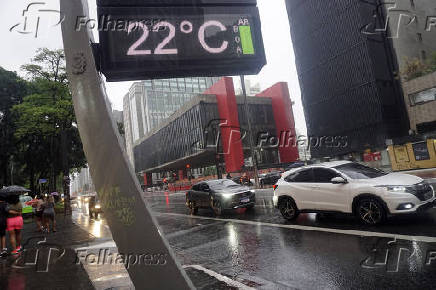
<point x="48" y="260"/>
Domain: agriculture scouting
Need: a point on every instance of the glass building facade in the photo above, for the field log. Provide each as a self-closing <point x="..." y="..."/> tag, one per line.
<point x="150" y="102"/>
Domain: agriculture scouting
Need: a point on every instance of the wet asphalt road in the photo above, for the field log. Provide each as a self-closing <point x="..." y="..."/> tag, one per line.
<point x="260" y="249"/>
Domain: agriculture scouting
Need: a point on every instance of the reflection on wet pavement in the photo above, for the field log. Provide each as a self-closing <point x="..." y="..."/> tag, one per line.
<point x="103" y="275"/>
<point x="260" y="248"/>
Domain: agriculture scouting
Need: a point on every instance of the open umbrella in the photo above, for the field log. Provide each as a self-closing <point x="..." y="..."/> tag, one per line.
<point x="54" y="193"/>
<point x="12" y="190"/>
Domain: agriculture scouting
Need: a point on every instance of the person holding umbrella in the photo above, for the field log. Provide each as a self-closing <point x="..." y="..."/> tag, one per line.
<point x="14" y="222"/>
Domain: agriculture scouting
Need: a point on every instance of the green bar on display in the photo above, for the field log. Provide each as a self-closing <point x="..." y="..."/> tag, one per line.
<point x="246" y="39"/>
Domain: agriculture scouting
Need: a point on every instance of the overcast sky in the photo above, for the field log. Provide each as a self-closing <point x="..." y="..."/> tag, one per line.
<point x="18" y="48"/>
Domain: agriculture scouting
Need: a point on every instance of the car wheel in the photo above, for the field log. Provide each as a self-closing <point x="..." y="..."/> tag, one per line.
<point x="288" y="209"/>
<point x="217" y="207"/>
<point x="370" y="211"/>
<point x="193" y="210"/>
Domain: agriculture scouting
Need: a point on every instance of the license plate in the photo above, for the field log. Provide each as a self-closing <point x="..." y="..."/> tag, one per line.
<point x="245" y="199"/>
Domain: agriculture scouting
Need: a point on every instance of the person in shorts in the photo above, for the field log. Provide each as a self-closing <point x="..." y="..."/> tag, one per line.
<point x="39" y="208"/>
<point x="3" y="218"/>
<point x="48" y="215"/>
<point x="14" y="223"/>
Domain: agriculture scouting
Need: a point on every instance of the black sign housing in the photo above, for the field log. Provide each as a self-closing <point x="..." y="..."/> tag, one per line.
<point x="203" y="39"/>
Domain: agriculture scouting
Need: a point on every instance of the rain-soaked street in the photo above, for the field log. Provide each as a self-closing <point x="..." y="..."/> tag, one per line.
<point x="259" y="249"/>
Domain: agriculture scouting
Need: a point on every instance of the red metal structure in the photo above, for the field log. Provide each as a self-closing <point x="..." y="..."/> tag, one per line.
<point x="231" y="132"/>
<point x="229" y="126"/>
<point x="284" y="119"/>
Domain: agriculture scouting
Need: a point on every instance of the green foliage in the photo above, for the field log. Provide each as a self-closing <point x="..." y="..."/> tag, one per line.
<point x="59" y="207"/>
<point x="415" y="67"/>
<point x="12" y="90"/>
<point x="44" y="112"/>
<point x="47" y="64"/>
<point x="432" y="62"/>
<point x="41" y="122"/>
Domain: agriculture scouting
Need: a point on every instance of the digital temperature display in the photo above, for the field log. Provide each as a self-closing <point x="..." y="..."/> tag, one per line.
<point x="163" y="42"/>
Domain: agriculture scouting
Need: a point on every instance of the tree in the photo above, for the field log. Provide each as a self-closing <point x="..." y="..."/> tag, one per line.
<point x="12" y="90"/>
<point x="46" y="124"/>
<point x="414" y="68"/>
<point x="47" y="65"/>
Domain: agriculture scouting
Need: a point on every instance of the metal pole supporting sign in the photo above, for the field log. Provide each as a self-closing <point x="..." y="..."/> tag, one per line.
<point x="151" y="263"/>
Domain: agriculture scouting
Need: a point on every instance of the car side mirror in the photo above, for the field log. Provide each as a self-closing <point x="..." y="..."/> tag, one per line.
<point x="339" y="180"/>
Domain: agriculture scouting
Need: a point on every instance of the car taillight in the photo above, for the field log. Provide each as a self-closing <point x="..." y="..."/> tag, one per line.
<point x="275" y="186"/>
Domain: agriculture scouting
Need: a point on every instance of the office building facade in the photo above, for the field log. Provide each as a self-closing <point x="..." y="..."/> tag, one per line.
<point x="412" y="29"/>
<point x="212" y="129"/>
<point x="150" y="102"/>
<point x="347" y="75"/>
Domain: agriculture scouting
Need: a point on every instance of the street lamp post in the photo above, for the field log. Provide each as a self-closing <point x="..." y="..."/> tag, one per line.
<point x="253" y="157"/>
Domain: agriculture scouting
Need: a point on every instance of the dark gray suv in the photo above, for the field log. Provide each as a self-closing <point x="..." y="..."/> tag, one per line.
<point x="219" y="194"/>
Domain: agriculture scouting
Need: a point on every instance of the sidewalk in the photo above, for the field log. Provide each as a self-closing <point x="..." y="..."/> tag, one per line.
<point x="48" y="260"/>
<point x="429" y="173"/>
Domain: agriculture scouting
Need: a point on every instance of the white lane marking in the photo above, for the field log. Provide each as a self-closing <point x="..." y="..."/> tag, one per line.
<point x="111" y="277"/>
<point x="187" y="231"/>
<point x="219" y="277"/>
<point x="104" y="245"/>
<point x="319" y="229"/>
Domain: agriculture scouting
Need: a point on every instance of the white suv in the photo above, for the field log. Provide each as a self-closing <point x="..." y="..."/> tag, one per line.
<point x="350" y="187"/>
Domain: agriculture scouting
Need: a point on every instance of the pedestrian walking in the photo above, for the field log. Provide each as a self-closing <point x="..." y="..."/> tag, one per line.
<point x="48" y="214"/>
<point x="39" y="208"/>
<point x="3" y="218"/>
<point x="91" y="205"/>
<point x="14" y="223"/>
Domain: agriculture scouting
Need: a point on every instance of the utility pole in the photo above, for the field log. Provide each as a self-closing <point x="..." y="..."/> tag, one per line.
<point x="253" y="157"/>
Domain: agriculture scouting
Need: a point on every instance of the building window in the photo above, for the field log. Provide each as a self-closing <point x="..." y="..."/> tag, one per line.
<point x="423" y="55"/>
<point x="419" y="35"/>
<point x="423" y="97"/>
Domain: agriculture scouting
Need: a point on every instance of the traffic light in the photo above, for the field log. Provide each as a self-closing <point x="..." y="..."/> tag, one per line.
<point x="188" y="166"/>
